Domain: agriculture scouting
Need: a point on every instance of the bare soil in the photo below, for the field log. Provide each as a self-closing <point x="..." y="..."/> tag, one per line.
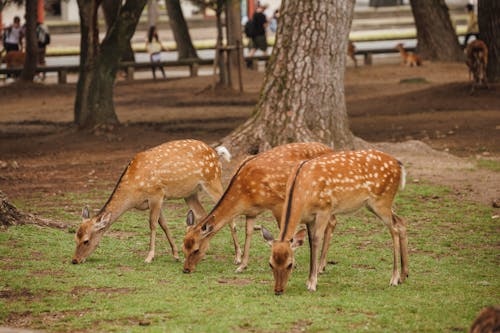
<point x="424" y="116"/>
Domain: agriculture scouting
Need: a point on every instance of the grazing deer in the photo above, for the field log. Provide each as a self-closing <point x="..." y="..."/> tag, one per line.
<point x="177" y="169"/>
<point x="476" y="54"/>
<point x="333" y="184"/>
<point x="13" y="59"/>
<point x="258" y="185"/>
<point x="409" y="58"/>
<point x="351" y="52"/>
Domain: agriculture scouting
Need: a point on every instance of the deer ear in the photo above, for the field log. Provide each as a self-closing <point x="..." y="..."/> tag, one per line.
<point x="298" y="239"/>
<point x="103" y="221"/>
<point x="268" y="237"/>
<point x="190" y="220"/>
<point x="85" y="212"/>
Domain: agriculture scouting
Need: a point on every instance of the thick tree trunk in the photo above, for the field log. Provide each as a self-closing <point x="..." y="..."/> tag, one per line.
<point x="436" y="37"/>
<point x="111" y="9"/>
<point x="489" y="29"/>
<point x="233" y="19"/>
<point x="302" y="98"/>
<point x="99" y="62"/>
<point x="185" y="48"/>
<point x="29" y="69"/>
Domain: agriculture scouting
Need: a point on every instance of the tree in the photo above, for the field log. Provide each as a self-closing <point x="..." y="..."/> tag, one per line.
<point x="302" y="98"/>
<point x="185" y="48"/>
<point x="31" y="59"/>
<point x="436" y="37"/>
<point x="489" y="28"/>
<point x="110" y="8"/>
<point x="99" y="61"/>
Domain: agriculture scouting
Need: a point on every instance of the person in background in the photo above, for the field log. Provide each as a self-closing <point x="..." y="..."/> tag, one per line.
<point x="472" y="26"/>
<point x="259" y="38"/>
<point x="154" y="48"/>
<point x="12" y="36"/>
<point x="273" y="23"/>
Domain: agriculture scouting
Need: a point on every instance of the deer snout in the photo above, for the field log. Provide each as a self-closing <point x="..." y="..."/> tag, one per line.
<point x="278" y="292"/>
<point x="186" y="271"/>
<point x="74" y="261"/>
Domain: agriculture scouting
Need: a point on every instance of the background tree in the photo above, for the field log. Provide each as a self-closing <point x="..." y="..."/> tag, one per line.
<point x="436" y="37"/>
<point x="489" y="28"/>
<point x="302" y="97"/>
<point x="31" y="42"/>
<point x="110" y="10"/>
<point x="185" y="48"/>
<point x="99" y="61"/>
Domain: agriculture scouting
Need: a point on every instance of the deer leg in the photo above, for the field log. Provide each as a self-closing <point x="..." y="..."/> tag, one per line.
<point x="403" y="244"/>
<point x="315" y="231"/>
<point x="326" y="242"/>
<point x="237" y="249"/>
<point x="154" y="215"/>
<point x="194" y="204"/>
<point x="250" y="222"/>
<point x="170" y="239"/>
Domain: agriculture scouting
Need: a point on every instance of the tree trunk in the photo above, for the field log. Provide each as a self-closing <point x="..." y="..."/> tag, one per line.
<point x="99" y="62"/>
<point x="111" y="9"/>
<point x="29" y="69"/>
<point x="489" y="29"/>
<point x="302" y="98"/>
<point x="436" y="37"/>
<point x="233" y="20"/>
<point x="185" y="48"/>
<point x="219" y="44"/>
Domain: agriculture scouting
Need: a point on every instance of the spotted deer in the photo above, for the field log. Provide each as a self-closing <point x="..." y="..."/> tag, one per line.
<point x="409" y="58"/>
<point x="351" y="52"/>
<point x="176" y="169"/>
<point x="476" y="54"/>
<point x="258" y="185"/>
<point x="332" y="184"/>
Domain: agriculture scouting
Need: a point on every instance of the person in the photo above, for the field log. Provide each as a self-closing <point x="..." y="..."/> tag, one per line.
<point x="154" y="48"/>
<point x="259" y="39"/>
<point x="12" y="36"/>
<point x="472" y="25"/>
<point x="43" y="39"/>
<point x="273" y="24"/>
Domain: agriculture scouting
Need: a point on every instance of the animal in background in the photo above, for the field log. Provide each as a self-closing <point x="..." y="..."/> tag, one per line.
<point x="337" y="183"/>
<point x="476" y="54"/>
<point x="173" y="170"/>
<point x="488" y="321"/>
<point x="351" y="52"/>
<point x="409" y="58"/>
<point x="258" y="185"/>
<point x="13" y="59"/>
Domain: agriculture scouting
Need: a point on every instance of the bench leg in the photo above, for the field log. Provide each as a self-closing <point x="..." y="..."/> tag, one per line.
<point x="193" y="70"/>
<point x="62" y="77"/>
<point x="130" y="73"/>
<point x="368" y="58"/>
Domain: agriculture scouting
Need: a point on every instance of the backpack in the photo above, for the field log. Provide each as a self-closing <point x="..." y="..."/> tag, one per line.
<point x="42" y="36"/>
<point x="250" y="29"/>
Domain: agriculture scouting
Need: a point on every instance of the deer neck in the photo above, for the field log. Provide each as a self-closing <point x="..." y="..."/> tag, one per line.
<point x="225" y="210"/>
<point x="117" y="204"/>
<point x="403" y="52"/>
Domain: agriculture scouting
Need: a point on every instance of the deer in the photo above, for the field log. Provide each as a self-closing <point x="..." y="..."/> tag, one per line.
<point x="351" y="52"/>
<point x="409" y="58"/>
<point x="258" y="185"/>
<point x="476" y="54"/>
<point x="13" y="59"/>
<point x="332" y="184"/>
<point x="175" y="169"/>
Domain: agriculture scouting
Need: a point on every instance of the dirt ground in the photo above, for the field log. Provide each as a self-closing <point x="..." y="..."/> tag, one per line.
<point x="424" y="116"/>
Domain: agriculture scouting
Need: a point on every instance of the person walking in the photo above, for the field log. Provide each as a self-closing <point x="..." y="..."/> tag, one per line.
<point x="472" y="25"/>
<point x="259" y="39"/>
<point x="154" y="48"/>
<point x="12" y="38"/>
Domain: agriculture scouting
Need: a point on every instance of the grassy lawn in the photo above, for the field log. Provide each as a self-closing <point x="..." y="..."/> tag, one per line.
<point x="454" y="272"/>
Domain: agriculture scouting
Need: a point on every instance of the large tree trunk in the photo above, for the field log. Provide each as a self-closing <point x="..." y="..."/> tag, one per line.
<point x="302" y="98"/>
<point x="185" y="48"/>
<point x="233" y="20"/>
<point x="489" y="28"/>
<point x="436" y="37"/>
<point x="29" y="69"/>
<point x="110" y="9"/>
<point x="99" y="62"/>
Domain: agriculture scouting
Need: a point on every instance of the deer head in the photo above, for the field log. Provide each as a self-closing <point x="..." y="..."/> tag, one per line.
<point x="89" y="235"/>
<point x="196" y="240"/>
<point x="282" y="259"/>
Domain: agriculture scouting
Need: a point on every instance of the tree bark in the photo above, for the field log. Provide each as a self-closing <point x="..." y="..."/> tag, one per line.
<point x="489" y="29"/>
<point x="110" y="10"/>
<point x="99" y="61"/>
<point x="29" y="69"/>
<point x="436" y="37"/>
<point x="185" y="48"/>
<point x="302" y="98"/>
<point x="233" y="20"/>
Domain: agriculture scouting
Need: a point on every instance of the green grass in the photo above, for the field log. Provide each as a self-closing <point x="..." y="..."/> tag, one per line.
<point x="454" y="270"/>
<point x="489" y="164"/>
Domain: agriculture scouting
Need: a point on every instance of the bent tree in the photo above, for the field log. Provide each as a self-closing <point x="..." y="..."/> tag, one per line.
<point x="99" y="61"/>
<point x="185" y="48"/>
<point x="436" y="37"/>
<point x="302" y="97"/>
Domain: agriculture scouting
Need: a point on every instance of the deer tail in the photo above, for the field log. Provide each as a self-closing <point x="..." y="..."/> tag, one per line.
<point x="223" y="152"/>
<point x="402" y="181"/>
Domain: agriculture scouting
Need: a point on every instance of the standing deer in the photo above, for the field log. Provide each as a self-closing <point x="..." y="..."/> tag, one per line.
<point x="476" y="54"/>
<point x="258" y="185"/>
<point x="177" y="169"/>
<point x="409" y="58"/>
<point x="351" y="52"/>
<point x="333" y="184"/>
